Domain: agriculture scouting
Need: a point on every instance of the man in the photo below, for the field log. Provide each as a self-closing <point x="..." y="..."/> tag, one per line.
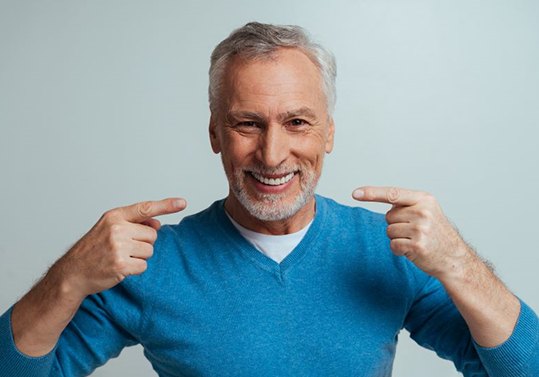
<point x="273" y="280"/>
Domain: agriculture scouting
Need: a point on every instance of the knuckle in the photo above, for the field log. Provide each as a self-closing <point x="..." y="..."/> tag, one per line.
<point x="423" y="213"/>
<point x="393" y="195"/>
<point x="414" y="247"/>
<point x="144" y="209"/>
<point x="115" y="229"/>
<point x="109" y="216"/>
<point x="148" y="251"/>
<point x="415" y="230"/>
<point x="115" y="244"/>
<point x="153" y="235"/>
<point x="429" y="198"/>
<point x="420" y="245"/>
<point x="119" y="278"/>
<point x="411" y="256"/>
<point x="391" y="229"/>
<point x="143" y="266"/>
<point x="119" y="264"/>
<point x="419" y="230"/>
<point x="397" y="247"/>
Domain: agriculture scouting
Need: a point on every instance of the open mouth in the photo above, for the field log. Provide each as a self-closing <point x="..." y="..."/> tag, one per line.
<point x="274" y="180"/>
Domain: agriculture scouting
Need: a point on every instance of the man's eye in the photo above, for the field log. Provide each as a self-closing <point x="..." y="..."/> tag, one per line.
<point x="297" y="122"/>
<point x="247" y="124"/>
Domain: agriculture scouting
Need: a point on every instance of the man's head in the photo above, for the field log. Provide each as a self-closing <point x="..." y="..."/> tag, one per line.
<point x="260" y="41"/>
<point x="272" y="92"/>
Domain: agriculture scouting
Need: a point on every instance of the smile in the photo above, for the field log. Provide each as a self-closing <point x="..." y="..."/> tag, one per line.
<point x="273" y="181"/>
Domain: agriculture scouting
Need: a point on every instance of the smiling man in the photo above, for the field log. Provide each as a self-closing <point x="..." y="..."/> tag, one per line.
<point x="273" y="280"/>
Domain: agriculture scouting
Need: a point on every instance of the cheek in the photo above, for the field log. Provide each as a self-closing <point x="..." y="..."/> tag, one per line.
<point x="311" y="152"/>
<point x="237" y="151"/>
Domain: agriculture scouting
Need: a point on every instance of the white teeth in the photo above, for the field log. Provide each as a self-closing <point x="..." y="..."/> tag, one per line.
<point x="273" y="181"/>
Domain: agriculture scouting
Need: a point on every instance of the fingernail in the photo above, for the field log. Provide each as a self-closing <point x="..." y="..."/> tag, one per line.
<point x="358" y="194"/>
<point x="179" y="203"/>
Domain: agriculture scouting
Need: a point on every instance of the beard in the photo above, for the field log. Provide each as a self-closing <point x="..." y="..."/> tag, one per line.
<point x="273" y="207"/>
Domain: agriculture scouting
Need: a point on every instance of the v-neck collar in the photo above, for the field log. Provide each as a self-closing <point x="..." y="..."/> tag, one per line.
<point x="239" y="244"/>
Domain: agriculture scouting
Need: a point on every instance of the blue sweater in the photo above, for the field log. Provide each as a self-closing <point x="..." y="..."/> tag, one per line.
<point x="210" y="304"/>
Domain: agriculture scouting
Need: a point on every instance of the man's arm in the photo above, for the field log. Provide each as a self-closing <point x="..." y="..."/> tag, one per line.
<point x="116" y="247"/>
<point x="419" y="230"/>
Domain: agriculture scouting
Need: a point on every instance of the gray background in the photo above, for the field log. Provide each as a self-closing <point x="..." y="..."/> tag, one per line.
<point x="103" y="103"/>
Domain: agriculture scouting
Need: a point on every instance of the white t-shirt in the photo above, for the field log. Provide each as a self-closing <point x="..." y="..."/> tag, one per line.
<point x="275" y="247"/>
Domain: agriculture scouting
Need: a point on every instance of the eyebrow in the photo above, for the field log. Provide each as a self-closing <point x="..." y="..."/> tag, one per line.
<point x="244" y="115"/>
<point x="302" y="111"/>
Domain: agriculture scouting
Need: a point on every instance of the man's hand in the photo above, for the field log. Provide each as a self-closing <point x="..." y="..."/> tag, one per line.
<point x="117" y="246"/>
<point x="418" y="229"/>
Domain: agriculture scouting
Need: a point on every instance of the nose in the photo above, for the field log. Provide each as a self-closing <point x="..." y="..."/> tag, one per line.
<point x="274" y="145"/>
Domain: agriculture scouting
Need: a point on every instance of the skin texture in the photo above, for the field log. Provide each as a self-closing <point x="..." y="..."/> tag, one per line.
<point x="272" y="119"/>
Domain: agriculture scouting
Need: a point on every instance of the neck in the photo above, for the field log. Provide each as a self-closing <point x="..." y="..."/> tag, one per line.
<point x="292" y="224"/>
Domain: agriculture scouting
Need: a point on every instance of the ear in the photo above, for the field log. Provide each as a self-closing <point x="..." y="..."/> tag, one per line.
<point x="331" y="134"/>
<point x="214" y="137"/>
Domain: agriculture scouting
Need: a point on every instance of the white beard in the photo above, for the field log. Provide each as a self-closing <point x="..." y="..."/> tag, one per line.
<point x="270" y="207"/>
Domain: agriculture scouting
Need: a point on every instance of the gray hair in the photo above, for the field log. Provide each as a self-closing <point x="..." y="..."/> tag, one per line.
<point x="256" y="40"/>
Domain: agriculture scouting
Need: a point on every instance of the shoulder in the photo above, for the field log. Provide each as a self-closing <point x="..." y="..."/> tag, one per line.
<point x="353" y="219"/>
<point x="340" y="209"/>
<point x="197" y="225"/>
<point x="177" y="245"/>
<point x="367" y="230"/>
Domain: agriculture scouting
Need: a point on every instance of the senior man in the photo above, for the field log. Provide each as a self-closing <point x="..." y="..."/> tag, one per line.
<point x="273" y="280"/>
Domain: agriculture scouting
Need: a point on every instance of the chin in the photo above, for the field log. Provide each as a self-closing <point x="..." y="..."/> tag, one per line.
<point x="268" y="207"/>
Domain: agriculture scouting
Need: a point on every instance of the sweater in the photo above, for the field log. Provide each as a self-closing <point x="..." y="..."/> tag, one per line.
<point x="210" y="304"/>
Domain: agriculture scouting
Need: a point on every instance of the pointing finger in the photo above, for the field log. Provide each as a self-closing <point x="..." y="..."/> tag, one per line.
<point x="143" y="211"/>
<point x="389" y="195"/>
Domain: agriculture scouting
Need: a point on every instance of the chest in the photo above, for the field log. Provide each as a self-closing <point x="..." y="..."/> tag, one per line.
<point x="273" y="326"/>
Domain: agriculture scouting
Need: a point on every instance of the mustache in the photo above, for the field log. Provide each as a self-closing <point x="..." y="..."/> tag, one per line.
<point x="264" y="170"/>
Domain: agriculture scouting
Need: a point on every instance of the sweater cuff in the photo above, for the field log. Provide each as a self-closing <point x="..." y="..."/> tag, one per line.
<point x="15" y="363"/>
<point x="518" y="355"/>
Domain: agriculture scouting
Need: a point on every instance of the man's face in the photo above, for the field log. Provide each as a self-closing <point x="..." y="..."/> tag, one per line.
<point x="272" y="130"/>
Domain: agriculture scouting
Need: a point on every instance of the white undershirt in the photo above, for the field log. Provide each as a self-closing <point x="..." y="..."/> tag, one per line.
<point x="276" y="247"/>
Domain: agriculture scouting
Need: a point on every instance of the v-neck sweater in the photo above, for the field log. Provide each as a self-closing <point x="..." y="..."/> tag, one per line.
<point x="210" y="304"/>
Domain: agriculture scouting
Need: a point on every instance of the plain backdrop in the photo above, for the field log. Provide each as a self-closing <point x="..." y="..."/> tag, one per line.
<point x="103" y="103"/>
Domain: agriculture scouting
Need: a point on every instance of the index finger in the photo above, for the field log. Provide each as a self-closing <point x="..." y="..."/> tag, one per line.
<point x="390" y="195"/>
<point x="143" y="211"/>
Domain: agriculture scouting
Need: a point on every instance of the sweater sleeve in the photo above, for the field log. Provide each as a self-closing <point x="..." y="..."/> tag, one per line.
<point x="91" y="338"/>
<point x="15" y="363"/>
<point x="435" y="323"/>
<point x="518" y="355"/>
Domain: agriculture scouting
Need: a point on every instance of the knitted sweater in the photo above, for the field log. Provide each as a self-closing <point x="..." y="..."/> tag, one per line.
<point x="210" y="304"/>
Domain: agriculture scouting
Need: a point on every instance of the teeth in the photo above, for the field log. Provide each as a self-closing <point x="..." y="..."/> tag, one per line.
<point x="273" y="181"/>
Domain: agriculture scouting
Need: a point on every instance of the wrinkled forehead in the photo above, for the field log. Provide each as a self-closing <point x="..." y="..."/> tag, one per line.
<point x="286" y="75"/>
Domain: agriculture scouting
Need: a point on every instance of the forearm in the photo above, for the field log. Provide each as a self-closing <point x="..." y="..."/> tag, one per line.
<point x="488" y="307"/>
<point x="39" y="318"/>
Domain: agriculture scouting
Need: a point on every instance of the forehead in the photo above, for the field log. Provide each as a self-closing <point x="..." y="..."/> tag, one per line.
<point x="287" y="78"/>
